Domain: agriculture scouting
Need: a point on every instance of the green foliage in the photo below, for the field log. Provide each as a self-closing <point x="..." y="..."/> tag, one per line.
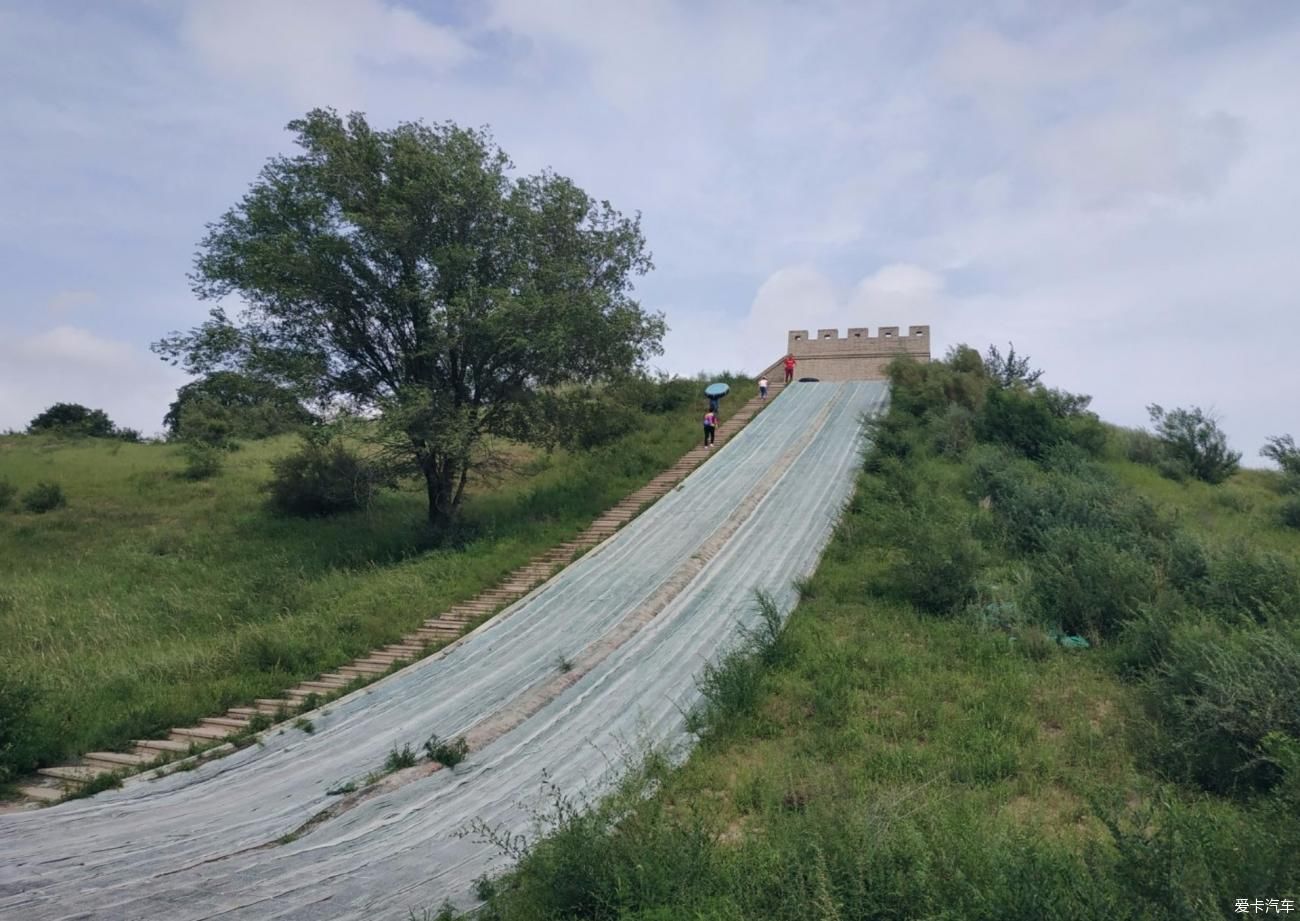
<point x="20" y="735"/>
<point x="1288" y="512"/>
<point x="1193" y="440"/>
<point x="449" y="305"/>
<point x="8" y="491"/>
<point x="1217" y="695"/>
<point x="1012" y="370"/>
<point x="1021" y="420"/>
<point x="1282" y="450"/>
<point x="399" y="758"/>
<point x="323" y="479"/>
<point x="72" y="419"/>
<point x="239" y="405"/>
<point x="44" y="497"/>
<point x="732" y="687"/>
<point x="1242" y="583"/>
<point x="202" y="461"/>
<point x="447" y="752"/>
<point x="939" y="560"/>
<point x="1087" y="584"/>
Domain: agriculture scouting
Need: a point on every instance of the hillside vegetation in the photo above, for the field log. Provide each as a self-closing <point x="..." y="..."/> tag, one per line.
<point x="149" y="598"/>
<point x="1031" y="679"/>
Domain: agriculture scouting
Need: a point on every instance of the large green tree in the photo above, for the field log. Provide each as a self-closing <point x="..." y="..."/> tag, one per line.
<point x="256" y="408"/>
<point x="407" y="273"/>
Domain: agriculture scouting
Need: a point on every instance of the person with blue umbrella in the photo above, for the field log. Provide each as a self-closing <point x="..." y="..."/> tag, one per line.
<point x="714" y="392"/>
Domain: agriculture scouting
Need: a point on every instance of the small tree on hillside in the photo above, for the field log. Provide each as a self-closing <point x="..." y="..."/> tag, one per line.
<point x="1282" y="450"/>
<point x="72" y="419"/>
<point x="1012" y="370"/>
<point x="1192" y="439"/>
<point x="406" y="273"/>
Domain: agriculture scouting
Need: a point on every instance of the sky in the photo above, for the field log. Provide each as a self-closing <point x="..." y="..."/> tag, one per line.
<point x="1111" y="186"/>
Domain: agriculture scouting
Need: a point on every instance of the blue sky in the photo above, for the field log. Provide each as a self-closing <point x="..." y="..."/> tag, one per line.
<point x="1110" y="185"/>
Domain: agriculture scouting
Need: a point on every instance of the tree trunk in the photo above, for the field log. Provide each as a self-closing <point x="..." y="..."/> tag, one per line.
<point x="440" y="484"/>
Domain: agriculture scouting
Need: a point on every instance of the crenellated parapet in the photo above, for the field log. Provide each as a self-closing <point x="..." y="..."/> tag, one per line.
<point x="856" y="356"/>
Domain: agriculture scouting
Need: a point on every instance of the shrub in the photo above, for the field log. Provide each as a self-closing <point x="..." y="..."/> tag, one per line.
<point x="7" y="492"/>
<point x="398" y="759"/>
<point x="1087" y="584"/>
<point x="322" y="479"/>
<point x="939" y="563"/>
<point x="954" y="431"/>
<point x="19" y="733"/>
<point x="1140" y="446"/>
<point x="1217" y="695"/>
<point x="1194" y="439"/>
<point x="1288" y="512"/>
<point x="44" y="497"/>
<point x="447" y="752"/>
<point x="202" y="461"/>
<point x="1246" y="583"/>
<point x="1022" y="421"/>
<point x="1282" y="450"/>
<point x="247" y="407"/>
<point x="72" y="419"/>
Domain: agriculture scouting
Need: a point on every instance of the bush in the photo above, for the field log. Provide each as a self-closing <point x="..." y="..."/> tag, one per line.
<point x="1022" y="421"/>
<point x="1217" y="695"/>
<point x="954" y="431"/>
<point x="19" y="734"/>
<point x="1245" y="583"/>
<point x="447" y="752"/>
<point x="1140" y="446"/>
<point x="202" y="461"/>
<point x="322" y="479"/>
<point x="1087" y="584"/>
<point x="7" y="492"/>
<point x="940" y="562"/>
<point x="1288" y="512"/>
<point x="44" y="497"/>
<point x="72" y="419"/>
<point x="1282" y="450"/>
<point x="1193" y="438"/>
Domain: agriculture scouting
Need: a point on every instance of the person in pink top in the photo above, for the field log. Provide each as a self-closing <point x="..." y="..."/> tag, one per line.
<point x="710" y="426"/>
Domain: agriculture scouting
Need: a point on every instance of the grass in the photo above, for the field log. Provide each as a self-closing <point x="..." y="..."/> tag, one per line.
<point x="150" y="600"/>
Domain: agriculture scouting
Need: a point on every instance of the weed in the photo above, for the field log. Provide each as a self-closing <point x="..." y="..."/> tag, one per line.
<point x="342" y="789"/>
<point x="7" y="493"/>
<point x="305" y="725"/>
<point x="563" y="664"/>
<point x="448" y="753"/>
<point x="398" y="759"/>
<point x="97" y="784"/>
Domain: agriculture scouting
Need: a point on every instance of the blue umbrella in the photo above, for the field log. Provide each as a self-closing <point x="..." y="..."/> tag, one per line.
<point x="717" y="390"/>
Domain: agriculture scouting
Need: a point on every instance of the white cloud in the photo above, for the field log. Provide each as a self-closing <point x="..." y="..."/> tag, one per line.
<point x="70" y="364"/>
<point x="318" y="52"/>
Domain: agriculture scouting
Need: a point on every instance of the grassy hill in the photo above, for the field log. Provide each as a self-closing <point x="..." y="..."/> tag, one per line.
<point x="151" y="600"/>
<point x="930" y="738"/>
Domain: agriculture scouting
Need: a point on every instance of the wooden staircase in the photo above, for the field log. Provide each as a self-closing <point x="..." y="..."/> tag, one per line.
<point x="57" y="781"/>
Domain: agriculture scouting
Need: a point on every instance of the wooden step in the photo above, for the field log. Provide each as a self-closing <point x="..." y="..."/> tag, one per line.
<point x="246" y="712"/>
<point x="200" y="733"/>
<point x="322" y="687"/>
<point x="272" y="703"/>
<point x="77" y="773"/>
<point x="161" y="745"/>
<point x="114" y="760"/>
<point x="224" y="722"/>
<point x="41" y="793"/>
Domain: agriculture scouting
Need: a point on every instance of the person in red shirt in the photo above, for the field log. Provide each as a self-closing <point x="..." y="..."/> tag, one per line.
<point x="789" y="368"/>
